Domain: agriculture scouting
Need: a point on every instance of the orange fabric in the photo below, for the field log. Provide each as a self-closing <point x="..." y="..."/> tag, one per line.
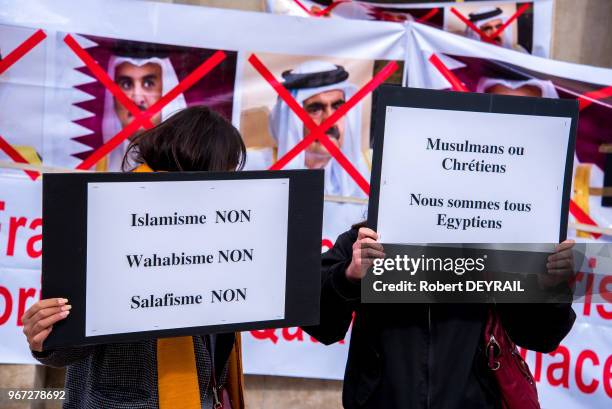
<point x="235" y="377"/>
<point x="177" y="375"/>
<point x="143" y="168"/>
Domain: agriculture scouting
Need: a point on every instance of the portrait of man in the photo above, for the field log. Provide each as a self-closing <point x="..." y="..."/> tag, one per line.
<point x="143" y="74"/>
<point x="321" y="88"/>
<point x="489" y="20"/>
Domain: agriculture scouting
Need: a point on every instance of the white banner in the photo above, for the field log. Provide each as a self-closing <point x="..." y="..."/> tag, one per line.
<point x="525" y="26"/>
<point x="70" y="114"/>
<point x="20" y="255"/>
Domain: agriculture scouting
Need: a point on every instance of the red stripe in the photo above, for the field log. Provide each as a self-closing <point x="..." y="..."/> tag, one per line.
<point x="293" y="152"/>
<point x="112" y="143"/>
<point x="282" y="92"/>
<point x="21" y="50"/>
<point x="378" y="79"/>
<point x="16" y="156"/>
<point x="103" y="77"/>
<point x="329" y="8"/>
<point x="589" y="98"/>
<point x="133" y="126"/>
<point x="516" y="15"/>
<point x="8" y="60"/>
<point x="346" y="164"/>
<point x="428" y="16"/>
<point x="456" y="84"/>
<point x="468" y="23"/>
<point x="189" y="81"/>
<point x="323" y="12"/>
<point x="303" y="7"/>
<point x="582" y="217"/>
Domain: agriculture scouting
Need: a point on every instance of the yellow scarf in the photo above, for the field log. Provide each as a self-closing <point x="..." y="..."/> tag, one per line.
<point x="177" y="375"/>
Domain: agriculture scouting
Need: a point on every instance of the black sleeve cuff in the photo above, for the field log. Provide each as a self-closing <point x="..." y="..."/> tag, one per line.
<point x="41" y="355"/>
<point x="348" y="290"/>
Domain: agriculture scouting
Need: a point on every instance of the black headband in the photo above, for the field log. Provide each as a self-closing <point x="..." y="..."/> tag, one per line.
<point x="137" y="49"/>
<point x="314" y="79"/>
<point x="474" y="17"/>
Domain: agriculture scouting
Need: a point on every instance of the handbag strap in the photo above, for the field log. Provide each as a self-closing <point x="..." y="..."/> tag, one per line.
<point x="217" y="401"/>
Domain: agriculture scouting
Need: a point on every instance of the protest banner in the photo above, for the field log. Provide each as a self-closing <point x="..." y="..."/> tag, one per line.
<point x="521" y="25"/>
<point x="86" y="113"/>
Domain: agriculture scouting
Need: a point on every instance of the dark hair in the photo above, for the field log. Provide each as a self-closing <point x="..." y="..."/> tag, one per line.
<point x="193" y="139"/>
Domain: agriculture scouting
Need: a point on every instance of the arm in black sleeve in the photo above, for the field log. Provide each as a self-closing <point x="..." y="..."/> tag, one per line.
<point x="339" y="296"/>
<point x="61" y="357"/>
<point x="540" y="327"/>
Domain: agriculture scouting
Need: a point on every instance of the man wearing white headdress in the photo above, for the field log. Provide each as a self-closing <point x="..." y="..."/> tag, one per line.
<point x="321" y="88"/>
<point x="144" y="76"/>
<point x="489" y="20"/>
<point x="527" y="88"/>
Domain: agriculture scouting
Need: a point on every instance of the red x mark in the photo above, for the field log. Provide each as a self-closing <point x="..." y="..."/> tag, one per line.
<point x="456" y="85"/>
<point x="498" y="32"/>
<point x="323" y="12"/>
<point x="141" y="118"/>
<point x="428" y="16"/>
<point x="5" y="63"/>
<point x="317" y="132"/>
<point x="16" y="156"/>
<point x="589" y="98"/>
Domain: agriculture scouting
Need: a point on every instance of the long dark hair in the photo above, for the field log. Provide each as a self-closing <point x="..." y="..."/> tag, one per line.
<point x="193" y="139"/>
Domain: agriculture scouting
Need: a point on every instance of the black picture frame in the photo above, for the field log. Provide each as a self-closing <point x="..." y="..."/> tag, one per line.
<point x="64" y="259"/>
<point x="386" y="95"/>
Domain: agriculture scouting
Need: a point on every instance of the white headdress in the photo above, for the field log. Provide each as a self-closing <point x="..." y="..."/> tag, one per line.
<point x="110" y="122"/>
<point x="547" y="87"/>
<point x="483" y="16"/>
<point x="288" y="130"/>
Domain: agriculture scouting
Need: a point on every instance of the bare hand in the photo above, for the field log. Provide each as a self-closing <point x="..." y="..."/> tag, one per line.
<point x="560" y="265"/>
<point x="365" y="250"/>
<point x="38" y="320"/>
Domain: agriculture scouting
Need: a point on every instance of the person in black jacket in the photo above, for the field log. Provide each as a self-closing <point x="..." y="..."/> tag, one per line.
<point x="423" y="356"/>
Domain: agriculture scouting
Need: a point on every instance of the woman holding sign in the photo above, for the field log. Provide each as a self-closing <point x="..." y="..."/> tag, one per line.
<point x="429" y="356"/>
<point x="181" y="372"/>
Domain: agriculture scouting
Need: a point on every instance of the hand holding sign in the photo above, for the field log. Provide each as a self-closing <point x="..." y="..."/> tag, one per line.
<point x="365" y="250"/>
<point x="38" y="320"/>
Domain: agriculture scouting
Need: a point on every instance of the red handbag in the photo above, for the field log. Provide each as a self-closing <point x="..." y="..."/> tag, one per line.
<point x="514" y="380"/>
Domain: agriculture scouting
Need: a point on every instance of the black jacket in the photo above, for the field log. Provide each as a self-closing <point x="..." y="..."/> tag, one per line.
<point x="421" y="356"/>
